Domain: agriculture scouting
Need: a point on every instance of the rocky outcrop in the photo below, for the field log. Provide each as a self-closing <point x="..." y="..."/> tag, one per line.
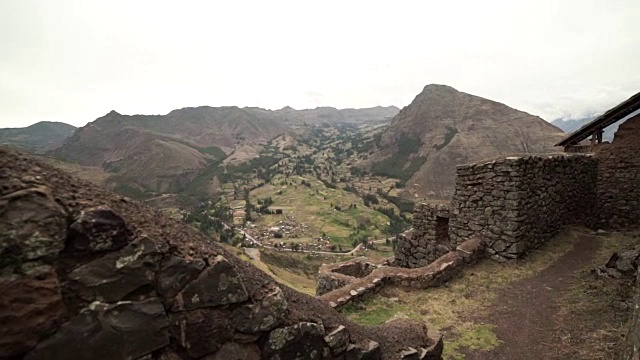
<point x="90" y="275"/>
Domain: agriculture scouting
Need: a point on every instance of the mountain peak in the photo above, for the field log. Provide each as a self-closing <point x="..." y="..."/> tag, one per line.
<point x="439" y="88"/>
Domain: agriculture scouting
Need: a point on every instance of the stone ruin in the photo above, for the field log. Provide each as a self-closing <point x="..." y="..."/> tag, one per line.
<point x="86" y="274"/>
<point x="366" y="279"/>
<point x="503" y="209"/>
<point x="515" y="204"/>
<point x="518" y="203"/>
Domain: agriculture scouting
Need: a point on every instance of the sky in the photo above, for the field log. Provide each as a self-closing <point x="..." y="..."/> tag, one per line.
<point x="75" y="60"/>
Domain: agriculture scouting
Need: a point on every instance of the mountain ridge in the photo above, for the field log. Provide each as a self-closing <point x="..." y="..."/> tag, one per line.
<point x="38" y="137"/>
<point x="443" y="127"/>
<point x="164" y="153"/>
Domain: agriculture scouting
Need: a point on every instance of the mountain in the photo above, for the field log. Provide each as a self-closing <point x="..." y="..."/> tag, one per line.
<point x="38" y="137"/>
<point x="333" y="116"/>
<point x="444" y="127"/>
<point x="167" y="153"/>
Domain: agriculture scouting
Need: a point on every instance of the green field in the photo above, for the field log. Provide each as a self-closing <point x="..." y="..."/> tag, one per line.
<point x="314" y="206"/>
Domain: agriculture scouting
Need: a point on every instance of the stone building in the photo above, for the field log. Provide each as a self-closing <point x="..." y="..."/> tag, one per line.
<point x="517" y="203"/>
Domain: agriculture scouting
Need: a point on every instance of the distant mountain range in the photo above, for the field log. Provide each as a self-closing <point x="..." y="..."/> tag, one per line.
<point x="443" y="127"/>
<point x="39" y="137"/>
<point x="421" y="145"/>
<point x="165" y="153"/>
<point x="572" y="125"/>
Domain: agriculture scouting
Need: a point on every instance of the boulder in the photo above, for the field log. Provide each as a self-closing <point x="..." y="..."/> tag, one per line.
<point x="175" y="274"/>
<point x="267" y="311"/>
<point x="98" y="229"/>
<point x="219" y="284"/>
<point x="125" y="330"/>
<point x="337" y="340"/>
<point x="113" y="276"/>
<point x="301" y="341"/>
<point x="32" y="225"/>
<point x="203" y="331"/>
<point x="364" y="350"/>
<point x="30" y="307"/>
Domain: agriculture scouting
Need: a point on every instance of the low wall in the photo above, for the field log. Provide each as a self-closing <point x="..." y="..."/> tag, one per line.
<point x="434" y="274"/>
<point x="514" y="203"/>
<point x="336" y="275"/>
<point x="429" y="238"/>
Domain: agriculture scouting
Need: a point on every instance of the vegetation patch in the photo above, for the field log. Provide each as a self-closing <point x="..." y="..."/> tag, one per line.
<point x="401" y="164"/>
<point x="448" y="136"/>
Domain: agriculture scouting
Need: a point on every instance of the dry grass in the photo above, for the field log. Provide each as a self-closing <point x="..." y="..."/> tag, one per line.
<point x="92" y="174"/>
<point x="298" y="274"/>
<point x="452" y="308"/>
<point x="597" y="303"/>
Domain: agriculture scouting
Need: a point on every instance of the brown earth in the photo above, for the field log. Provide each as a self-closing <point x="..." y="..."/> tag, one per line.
<point x="537" y="317"/>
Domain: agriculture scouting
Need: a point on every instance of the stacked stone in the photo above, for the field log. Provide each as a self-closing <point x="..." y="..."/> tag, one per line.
<point x="561" y="191"/>
<point x="518" y="203"/>
<point x="619" y="178"/>
<point x="435" y="274"/>
<point x="337" y="275"/>
<point x="421" y="246"/>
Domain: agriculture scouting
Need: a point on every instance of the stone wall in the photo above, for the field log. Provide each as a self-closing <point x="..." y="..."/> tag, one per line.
<point x="619" y="177"/>
<point x="336" y="275"/>
<point x="428" y="240"/>
<point x="516" y="204"/>
<point x="434" y="274"/>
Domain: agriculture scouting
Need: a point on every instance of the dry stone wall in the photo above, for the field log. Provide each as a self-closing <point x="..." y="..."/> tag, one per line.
<point x="515" y="204"/>
<point x="428" y="240"/>
<point x="436" y="273"/>
<point x="336" y="275"/>
<point x="619" y="177"/>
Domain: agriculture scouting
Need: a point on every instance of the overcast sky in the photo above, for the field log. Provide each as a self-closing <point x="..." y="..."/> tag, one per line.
<point x="74" y="61"/>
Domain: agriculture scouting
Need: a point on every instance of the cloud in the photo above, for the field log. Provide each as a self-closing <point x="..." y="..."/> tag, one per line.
<point x="76" y="60"/>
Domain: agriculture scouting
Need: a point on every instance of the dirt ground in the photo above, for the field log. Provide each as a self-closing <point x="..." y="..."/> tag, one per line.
<point x="548" y="306"/>
<point x="564" y="312"/>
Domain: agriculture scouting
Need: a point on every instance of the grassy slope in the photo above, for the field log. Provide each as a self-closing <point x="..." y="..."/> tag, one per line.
<point x="315" y="209"/>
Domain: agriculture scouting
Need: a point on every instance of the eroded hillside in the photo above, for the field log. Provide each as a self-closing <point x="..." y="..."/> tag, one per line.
<point x="144" y="284"/>
<point x="443" y="127"/>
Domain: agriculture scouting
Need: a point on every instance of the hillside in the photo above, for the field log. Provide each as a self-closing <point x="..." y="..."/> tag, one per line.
<point x="94" y="275"/>
<point x="167" y="153"/>
<point x="332" y="115"/>
<point x="39" y="137"/>
<point x="443" y="127"/>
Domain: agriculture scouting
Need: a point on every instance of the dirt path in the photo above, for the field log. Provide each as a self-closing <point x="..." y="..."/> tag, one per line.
<point x="526" y="313"/>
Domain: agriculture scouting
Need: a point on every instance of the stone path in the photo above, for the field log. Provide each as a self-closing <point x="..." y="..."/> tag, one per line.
<point x="526" y="313"/>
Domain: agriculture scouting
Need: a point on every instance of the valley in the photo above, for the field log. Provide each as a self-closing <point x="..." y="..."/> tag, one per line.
<point x="313" y="181"/>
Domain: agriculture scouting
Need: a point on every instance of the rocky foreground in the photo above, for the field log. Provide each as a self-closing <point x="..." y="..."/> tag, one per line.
<point x="87" y="274"/>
